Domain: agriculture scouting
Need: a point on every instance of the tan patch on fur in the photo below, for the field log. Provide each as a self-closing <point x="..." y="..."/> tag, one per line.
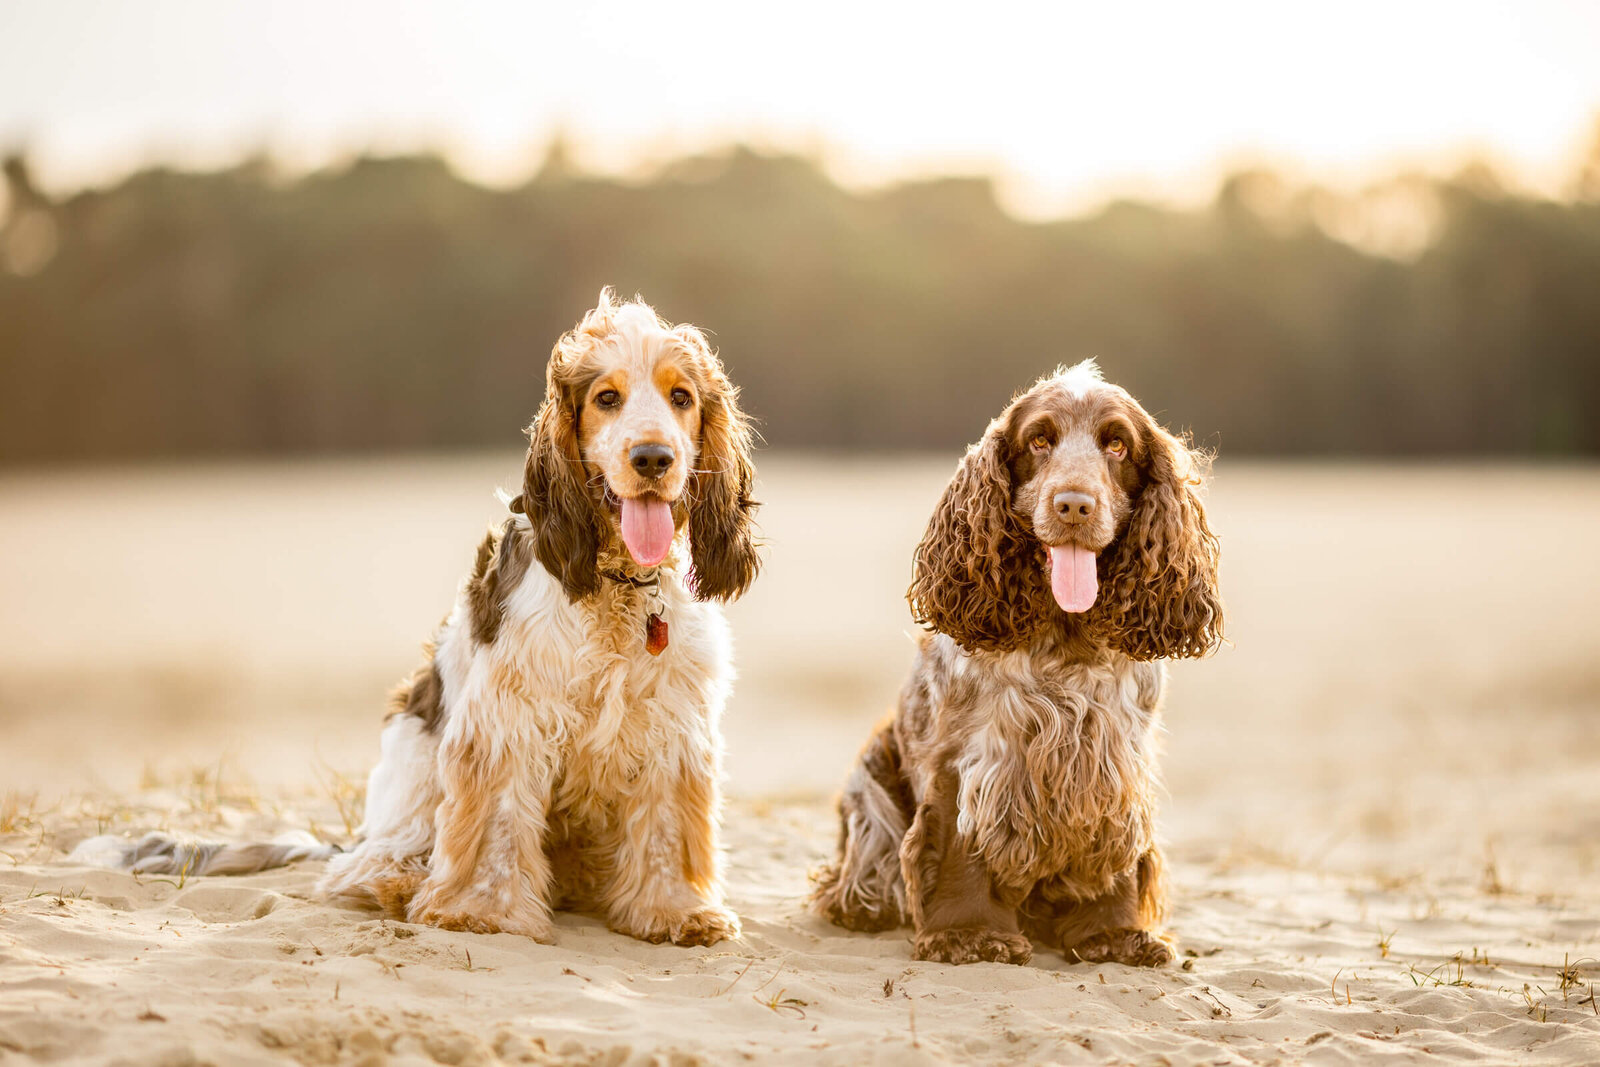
<point x="393" y="892"/>
<point x="1151" y="877"/>
<point x="472" y="777"/>
<point x="696" y="802"/>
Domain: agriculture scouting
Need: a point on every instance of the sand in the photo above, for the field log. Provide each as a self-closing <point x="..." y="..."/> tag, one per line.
<point x="1384" y="818"/>
<point x="1280" y="964"/>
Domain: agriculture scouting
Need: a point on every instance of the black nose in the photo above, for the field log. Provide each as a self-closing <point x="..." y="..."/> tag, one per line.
<point x="1074" y="507"/>
<point x="651" y="461"/>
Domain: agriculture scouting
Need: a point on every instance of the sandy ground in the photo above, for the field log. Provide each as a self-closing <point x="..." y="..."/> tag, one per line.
<point x="1384" y="812"/>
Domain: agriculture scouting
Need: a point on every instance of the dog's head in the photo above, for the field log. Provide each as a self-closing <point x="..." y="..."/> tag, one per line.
<point x="639" y="438"/>
<point x="1074" y="506"/>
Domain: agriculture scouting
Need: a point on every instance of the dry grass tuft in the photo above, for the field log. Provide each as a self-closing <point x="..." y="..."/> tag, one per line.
<point x="1537" y="1009"/>
<point x="1570" y="975"/>
<point x="1490" y="881"/>
<point x="207" y="793"/>
<point x="17" y="813"/>
<point x="781" y="1004"/>
<point x="1536" y="1000"/>
<point x="349" y="797"/>
<point x="1452" y="972"/>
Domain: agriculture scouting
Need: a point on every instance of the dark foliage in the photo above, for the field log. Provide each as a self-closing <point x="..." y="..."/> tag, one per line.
<point x="390" y="304"/>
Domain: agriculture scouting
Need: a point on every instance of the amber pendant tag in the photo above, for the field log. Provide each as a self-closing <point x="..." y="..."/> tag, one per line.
<point x="655" y="634"/>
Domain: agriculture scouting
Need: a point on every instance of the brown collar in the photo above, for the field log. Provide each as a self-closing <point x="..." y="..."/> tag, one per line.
<point x="628" y="579"/>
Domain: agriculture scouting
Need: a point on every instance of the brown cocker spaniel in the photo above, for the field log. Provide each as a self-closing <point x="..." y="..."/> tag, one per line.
<point x="1012" y="794"/>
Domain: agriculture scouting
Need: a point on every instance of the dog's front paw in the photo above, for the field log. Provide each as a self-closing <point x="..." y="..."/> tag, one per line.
<point x="705" y="925"/>
<point x="1135" y="948"/>
<point x="428" y="910"/>
<point x="453" y="920"/>
<point x="972" y="946"/>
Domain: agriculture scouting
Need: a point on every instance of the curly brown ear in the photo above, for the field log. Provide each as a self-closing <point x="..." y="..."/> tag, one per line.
<point x="566" y="534"/>
<point x="721" y="513"/>
<point x="979" y="574"/>
<point x="1158" y="592"/>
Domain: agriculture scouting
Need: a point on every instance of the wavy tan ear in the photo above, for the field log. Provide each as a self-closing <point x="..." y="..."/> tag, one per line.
<point x="566" y="532"/>
<point x="1158" y="593"/>
<point x="979" y="574"/>
<point x="722" y="540"/>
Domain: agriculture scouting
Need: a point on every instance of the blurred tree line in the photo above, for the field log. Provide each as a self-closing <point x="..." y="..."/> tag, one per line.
<point x="390" y="304"/>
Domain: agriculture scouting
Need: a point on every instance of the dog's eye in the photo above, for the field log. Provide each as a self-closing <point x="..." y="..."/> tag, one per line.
<point x="1117" y="447"/>
<point x="681" y="398"/>
<point x="1039" y="443"/>
<point x="610" y="398"/>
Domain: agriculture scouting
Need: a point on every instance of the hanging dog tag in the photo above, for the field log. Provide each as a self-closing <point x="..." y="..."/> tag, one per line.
<point x="655" y="634"/>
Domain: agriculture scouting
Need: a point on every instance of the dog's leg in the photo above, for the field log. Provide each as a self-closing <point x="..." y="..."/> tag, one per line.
<point x="390" y="862"/>
<point x="863" y="888"/>
<point x="955" y="911"/>
<point x="489" y="872"/>
<point x="666" y="881"/>
<point x="1123" y="926"/>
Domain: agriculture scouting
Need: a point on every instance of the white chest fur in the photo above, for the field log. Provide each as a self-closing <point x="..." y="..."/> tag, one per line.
<point x="577" y="679"/>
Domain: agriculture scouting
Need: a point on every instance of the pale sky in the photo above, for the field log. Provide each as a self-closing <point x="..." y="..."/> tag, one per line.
<point x="1067" y="103"/>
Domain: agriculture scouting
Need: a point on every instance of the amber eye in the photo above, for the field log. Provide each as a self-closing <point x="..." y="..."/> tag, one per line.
<point x="610" y="398"/>
<point x="1039" y="443"/>
<point x="681" y="398"/>
<point x="1117" y="447"/>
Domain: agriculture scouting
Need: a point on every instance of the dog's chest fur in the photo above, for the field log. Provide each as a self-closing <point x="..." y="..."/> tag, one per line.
<point x="577" y="677"/>
<point x="1057" y="762"/>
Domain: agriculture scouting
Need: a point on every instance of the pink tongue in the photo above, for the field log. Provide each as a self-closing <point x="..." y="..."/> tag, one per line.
<point x="1072" y="578"/>
<point x="647" y="530"/>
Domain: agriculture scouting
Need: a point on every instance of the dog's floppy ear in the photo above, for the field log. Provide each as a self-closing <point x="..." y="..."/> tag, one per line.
<point x="722" y="540"/>
<point x="1158" y="592"/>
<point x="566" y="531"/>
<point x="979" y="573"/>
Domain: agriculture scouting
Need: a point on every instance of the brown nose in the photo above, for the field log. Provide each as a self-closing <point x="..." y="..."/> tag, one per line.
<point x="1075" y="507"/>
<point x="651" y="461"/>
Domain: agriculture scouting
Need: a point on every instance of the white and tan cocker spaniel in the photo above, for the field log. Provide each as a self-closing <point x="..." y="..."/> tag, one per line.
<point x="559" y="745"/>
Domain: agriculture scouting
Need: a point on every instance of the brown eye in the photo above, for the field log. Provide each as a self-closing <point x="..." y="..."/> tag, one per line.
<point x="610" y="398"/>
<point x="681" y="398"/>
<point x="1039" y="443"/>
<point x="1117" y="447"/>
